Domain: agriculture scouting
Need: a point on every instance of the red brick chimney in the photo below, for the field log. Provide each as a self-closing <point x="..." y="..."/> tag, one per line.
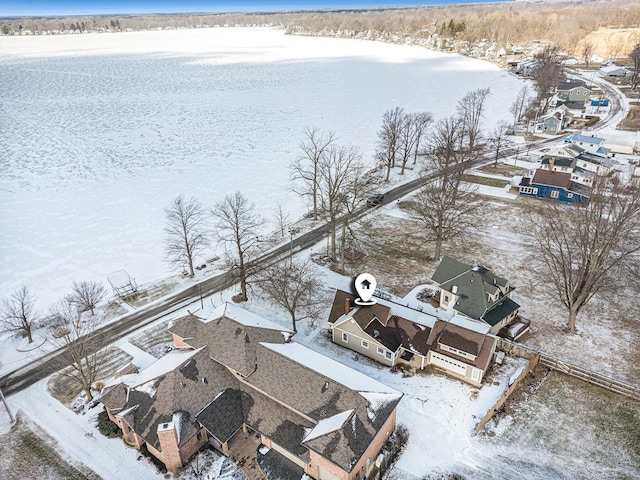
<point x="552" y="163"/>
<point x="347" y="305"/>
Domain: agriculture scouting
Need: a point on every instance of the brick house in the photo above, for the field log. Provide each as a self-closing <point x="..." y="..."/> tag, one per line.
<point x="235" y="370"/>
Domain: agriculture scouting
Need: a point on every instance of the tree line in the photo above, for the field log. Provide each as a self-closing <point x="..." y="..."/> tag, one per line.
<point x="564" y="24"/>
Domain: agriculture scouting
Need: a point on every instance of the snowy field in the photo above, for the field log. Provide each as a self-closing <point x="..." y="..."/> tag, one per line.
<point x="100" y="132"/>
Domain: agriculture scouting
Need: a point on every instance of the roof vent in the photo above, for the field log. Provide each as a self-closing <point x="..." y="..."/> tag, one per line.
<point x="376" y="333"/>
<point x="204" y="380"/>
<point x="454" y="289"/>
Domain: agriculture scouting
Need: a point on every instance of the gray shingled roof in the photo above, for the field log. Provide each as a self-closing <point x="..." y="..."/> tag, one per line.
<point x="224" y="416"/>
<point x="230" y="342"/>
<point x="473" y="284"/>
<point x="202" y="391"/>
<point x="320" y="397"/>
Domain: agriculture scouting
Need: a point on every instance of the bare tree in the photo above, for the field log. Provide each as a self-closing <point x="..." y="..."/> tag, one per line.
<point x="389" y="138"/>
<point x="546" y="75"/>
<point x="441" y="207"/>
<point x="422" y="122"/>
<point x="356" y="189"/>
<point x="185" y="232"/>
<point x="583" y="247"/>
<point x="470" y="109"/>
<point x="587" y="52"/>
<point x="635" y="77"/>
<point x="304" y="170"/>
<point x="519" y="104"/>
<point x="499" y="140"/>
<point x="18" y="312"/>
<point x="293" y="286"/>
<point x="282" y="218"/>
<point x="76" y="333"/>
<point x="339" y="166"/>
<point x="413" y="128"/>
<point x="86" y="295"/>
<point x="237" y="226"/>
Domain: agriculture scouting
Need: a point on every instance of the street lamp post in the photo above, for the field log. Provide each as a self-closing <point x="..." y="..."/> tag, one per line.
<point x="292" y="231"/>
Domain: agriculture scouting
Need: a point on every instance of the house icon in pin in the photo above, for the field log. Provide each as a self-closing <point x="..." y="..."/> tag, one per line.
<point x="365" y="284"/>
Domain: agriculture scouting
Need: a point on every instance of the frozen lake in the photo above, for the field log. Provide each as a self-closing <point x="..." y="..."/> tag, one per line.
<point x="98" y="133"/>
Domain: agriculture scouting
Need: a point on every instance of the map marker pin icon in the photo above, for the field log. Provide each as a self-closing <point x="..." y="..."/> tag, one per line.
<point x="365" y="284"/>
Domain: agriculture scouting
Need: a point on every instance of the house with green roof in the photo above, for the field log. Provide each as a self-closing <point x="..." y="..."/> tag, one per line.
<point x="476" y="292"/>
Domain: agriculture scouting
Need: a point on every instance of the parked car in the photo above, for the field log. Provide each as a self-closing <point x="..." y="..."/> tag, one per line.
<point x="375" y="200"/>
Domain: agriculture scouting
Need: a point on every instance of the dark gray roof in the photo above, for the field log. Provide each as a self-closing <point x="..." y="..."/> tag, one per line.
<point x="449" y="268"/>
<point x="180" y="390"/>
<point x="566" y="85"/>
<point x="500" y="310"/>
<point x="558" y="161"/>
<point x="473" y="285"/>
<point x="224" y="416"/>
<point x="230" y="342"/>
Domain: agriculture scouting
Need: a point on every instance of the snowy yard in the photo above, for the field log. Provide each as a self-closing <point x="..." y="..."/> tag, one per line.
<point x="105" y="130"/>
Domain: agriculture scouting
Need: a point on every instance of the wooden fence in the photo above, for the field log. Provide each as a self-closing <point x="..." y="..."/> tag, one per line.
<point x="592" y="377"/>
<point x="552" y="363"/>
<point x="530" y="366"/>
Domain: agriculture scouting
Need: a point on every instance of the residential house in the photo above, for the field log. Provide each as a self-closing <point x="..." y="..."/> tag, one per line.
<point x="527" y="68"/>
<point x="591" y="144"/>
<point x="459" y="347"/>
<point x="553" y="123"/>
<point x="235" y="371"/>
<point x="613" y="71"/>
<point x="475" y="292"/>
<point x="553" y="185"/>
<point x="572" y="93"/>
<point x="557" y="164"/>
<point x="595" y="163"/>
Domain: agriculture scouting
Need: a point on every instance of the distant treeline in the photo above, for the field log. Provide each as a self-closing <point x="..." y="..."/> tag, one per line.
<point x="563" y="24"/>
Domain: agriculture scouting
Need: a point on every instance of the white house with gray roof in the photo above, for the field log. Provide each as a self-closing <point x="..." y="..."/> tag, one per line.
<point x="476" y="292"/>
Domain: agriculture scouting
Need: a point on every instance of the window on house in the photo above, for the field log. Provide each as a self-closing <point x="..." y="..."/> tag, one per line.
<point x="526" y="190"/>
<point x="388" y="355"/>
<point x="569" y="195"/>
<point x="535" y="190"/>
<point x="365" y="344"/>
<point x="345" y="337"/>
<point x="446" y="299"/>
<point x="554" y="194"/>
<point x="199" y="436"/>
<point x="381" y="350"/>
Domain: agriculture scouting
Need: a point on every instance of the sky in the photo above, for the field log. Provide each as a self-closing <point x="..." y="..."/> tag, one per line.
<point x="80" y="7"/>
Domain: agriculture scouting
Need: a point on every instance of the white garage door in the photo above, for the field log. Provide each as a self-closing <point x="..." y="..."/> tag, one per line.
<point x="327" y="475"/>
<point x="448" y="364"/>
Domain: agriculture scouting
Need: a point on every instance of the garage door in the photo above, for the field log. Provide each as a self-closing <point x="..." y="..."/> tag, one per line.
<point x="327" y="475"/>
<point x="447" y="364"/>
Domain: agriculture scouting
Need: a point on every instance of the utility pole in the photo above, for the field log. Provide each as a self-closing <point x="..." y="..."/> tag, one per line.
<point x="6" y="405"/>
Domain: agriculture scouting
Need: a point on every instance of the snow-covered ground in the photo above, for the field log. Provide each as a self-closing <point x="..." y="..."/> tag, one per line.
<point x="100" y="132"/>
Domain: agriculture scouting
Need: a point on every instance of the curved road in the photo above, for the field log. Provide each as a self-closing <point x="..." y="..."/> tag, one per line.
<point x="27" y="375"/>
